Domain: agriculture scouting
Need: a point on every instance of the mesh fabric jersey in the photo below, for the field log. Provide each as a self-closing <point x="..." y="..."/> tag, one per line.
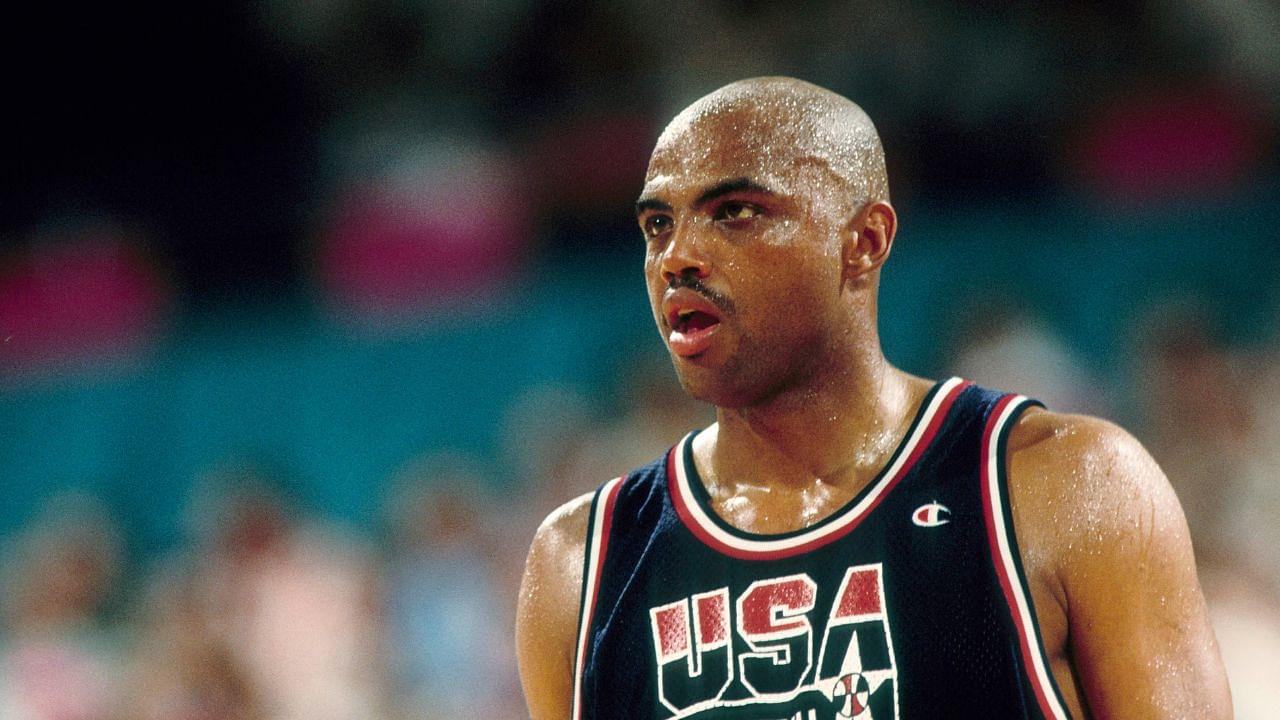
<point x="908" y="602"/>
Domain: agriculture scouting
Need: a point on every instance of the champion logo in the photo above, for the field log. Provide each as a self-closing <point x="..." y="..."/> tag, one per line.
<point x="931" y="515"/>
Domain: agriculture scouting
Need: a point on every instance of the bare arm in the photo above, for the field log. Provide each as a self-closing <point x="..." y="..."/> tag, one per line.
<point x="1106" y="529"/>
<point x="547" y="614"/>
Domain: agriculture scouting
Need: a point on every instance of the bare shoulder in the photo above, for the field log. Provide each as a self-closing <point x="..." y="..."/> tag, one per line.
<point x="547" y="611"/>
<point x="1087" y="475"/>
<point x="1082" y="487"/>
<point x="1100" y="528"/>
<point x="1064" y="438"/>
<point x="553" y="570"/>
<point x="565" y="529"/>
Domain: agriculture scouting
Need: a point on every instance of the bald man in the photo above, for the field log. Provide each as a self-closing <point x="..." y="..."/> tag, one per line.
<point x="847" y="540"/>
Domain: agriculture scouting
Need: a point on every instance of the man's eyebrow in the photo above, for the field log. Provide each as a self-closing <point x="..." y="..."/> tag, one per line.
<point x="741" y="184"/>
<point x="651" y="204"/>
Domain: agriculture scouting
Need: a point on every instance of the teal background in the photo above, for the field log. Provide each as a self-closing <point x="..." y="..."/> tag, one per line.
<point x="336" y="408"/>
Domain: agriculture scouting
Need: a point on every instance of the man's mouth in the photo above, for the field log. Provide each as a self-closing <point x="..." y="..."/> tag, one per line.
<point x="693" y="320"/>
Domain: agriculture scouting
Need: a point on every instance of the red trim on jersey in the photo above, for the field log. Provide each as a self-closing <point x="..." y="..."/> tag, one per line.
<point x="600" y="551"/>
<point x="1026" y="635"/>
<point x="593" y="576"/>
<point x="604" y="536"/>
<point x="840" y="528"/>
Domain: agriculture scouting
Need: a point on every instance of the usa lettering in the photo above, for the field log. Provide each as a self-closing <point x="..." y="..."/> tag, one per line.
<point x="769" y="647"/>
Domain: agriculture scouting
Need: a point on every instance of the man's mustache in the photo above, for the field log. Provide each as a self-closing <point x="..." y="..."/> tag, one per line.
<point x="694" y="283"/>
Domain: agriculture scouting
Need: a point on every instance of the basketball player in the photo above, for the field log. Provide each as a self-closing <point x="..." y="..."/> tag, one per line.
<point x="847" y="541"/>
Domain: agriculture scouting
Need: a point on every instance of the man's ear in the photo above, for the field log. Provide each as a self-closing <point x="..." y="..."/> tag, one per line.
<point x="869" y="238"/>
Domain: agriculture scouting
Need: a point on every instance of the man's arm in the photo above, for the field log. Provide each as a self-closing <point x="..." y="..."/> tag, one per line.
<point x="547" y="614"/>
<point x="1108" y="536"/>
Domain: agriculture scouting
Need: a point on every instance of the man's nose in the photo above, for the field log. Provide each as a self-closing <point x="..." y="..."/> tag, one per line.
<point x="684" y="255"/>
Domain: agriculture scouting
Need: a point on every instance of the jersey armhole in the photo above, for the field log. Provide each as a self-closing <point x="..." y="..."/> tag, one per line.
<point x="1005" y="555"/>
<point x="599" y="523"/>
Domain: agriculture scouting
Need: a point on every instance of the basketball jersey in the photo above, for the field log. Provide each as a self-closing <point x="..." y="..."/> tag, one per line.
<point x="908" y="602"/>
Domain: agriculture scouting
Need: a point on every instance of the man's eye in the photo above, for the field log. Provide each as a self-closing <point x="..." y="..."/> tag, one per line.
<point x="737" y="211"/>
<point x="655" y="225"/>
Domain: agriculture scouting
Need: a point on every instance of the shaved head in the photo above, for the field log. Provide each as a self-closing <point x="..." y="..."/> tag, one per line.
<point x="786" y="122"/>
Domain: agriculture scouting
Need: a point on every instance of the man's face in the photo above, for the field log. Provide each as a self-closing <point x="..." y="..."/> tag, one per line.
<point x="743" y="258"/>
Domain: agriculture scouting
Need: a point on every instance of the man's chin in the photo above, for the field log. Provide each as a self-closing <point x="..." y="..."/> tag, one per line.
<point x="700" y="383"/>
<point x="714" y="385"/>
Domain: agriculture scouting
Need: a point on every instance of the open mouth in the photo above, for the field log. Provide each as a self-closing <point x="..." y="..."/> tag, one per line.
<point x="693" y="320"/>
<point x="689" y="321"/>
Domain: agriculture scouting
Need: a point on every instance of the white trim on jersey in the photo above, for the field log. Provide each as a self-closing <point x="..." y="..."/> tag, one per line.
<point x="591" y="583"/>
<point x="1025" y="620"/>
<point x="850" y="516"/>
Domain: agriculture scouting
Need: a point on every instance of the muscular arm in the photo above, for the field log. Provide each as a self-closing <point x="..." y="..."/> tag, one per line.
<point x="1105" y="538"/>
<point x="547" y="615"/>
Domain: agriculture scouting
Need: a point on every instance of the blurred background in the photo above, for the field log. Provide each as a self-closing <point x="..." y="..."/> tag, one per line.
<point x="310" y="311"/>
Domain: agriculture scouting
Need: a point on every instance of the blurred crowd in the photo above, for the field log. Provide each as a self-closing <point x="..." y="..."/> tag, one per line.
<point x="268" y="611"/>
<point x="344" y="152"/>
<point x="274" y="613"/>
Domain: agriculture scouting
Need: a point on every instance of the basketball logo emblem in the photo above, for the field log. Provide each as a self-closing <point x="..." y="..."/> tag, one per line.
<point x="851" y="696"/>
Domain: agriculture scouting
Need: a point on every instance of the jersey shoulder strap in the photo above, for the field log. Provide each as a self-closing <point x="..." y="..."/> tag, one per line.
<point x="1002" y="411"/>
<point x="626" y="506"/>
<point x="599" y="527"/>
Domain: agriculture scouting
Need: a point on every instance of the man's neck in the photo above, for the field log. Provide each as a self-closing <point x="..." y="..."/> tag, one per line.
<point x="839" y="435"/>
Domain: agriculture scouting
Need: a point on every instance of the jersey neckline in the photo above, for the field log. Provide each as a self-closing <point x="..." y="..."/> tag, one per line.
<point x="693" y="503"/>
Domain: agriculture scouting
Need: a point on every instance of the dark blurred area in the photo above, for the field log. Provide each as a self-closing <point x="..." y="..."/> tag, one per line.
<point x="310" y="311"/>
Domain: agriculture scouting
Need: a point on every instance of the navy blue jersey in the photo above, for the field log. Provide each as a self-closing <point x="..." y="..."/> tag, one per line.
<point x="908" y="602"/>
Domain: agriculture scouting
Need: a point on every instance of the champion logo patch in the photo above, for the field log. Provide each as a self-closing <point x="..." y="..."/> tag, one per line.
<point x="931" y="515"/>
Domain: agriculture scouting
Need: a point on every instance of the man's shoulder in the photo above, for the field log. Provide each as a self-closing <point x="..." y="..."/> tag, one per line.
<point x="565" y="528"/>
<point x="1045" y="430"/>
<point x="1079" y="450"/>
<point x="547" y="608"/>
<point x="1080" y="483"/>
<point x="568" y="523"/>
<point x="1101" y="531"/>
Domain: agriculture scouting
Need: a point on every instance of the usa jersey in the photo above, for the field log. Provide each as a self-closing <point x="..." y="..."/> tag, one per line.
<point x="908" y="602"/>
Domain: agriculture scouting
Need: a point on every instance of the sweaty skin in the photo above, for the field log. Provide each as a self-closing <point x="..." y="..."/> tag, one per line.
<point x="769" y="196"/>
